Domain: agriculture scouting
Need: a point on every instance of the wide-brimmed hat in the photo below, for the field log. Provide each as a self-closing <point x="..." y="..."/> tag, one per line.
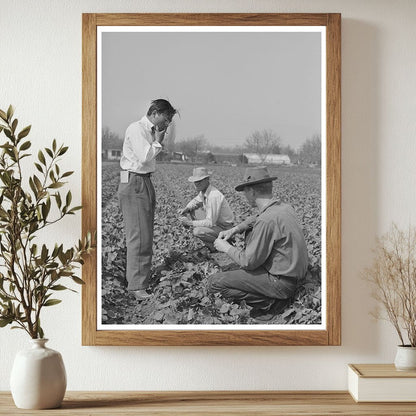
<point x="199" y="174"/>
<point x="255" y="175"/>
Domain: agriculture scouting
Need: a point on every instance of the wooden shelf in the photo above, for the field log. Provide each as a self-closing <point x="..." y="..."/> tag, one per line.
<point x="221" y="403"/>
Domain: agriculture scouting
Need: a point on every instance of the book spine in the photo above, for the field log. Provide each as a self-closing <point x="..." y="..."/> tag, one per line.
<point x="353" y="383"/>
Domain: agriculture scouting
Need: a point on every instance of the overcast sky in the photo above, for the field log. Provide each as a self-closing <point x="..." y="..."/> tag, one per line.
<point x="225" y="85"/>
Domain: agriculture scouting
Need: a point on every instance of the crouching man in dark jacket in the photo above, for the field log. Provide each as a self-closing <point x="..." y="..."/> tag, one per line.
<point x="275" y="254"/>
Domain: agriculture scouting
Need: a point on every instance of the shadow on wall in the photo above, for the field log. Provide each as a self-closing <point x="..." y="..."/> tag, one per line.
<point x="360" y="180"/>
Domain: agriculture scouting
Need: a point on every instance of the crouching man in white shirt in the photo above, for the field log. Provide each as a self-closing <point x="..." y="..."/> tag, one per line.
<point x="217" y="214"/>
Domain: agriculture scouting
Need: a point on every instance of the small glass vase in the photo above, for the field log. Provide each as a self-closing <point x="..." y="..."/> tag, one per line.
<point x="38" y="377"/>
<point x="405" y="358"/>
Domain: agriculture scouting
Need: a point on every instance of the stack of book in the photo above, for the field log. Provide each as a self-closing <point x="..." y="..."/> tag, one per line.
<point x="381" y="383"/>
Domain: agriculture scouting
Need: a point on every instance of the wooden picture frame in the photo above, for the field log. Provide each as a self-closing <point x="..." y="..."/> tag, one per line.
<point x="331" y="334"/>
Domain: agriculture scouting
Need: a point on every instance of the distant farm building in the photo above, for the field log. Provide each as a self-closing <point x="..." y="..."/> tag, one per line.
<point x="229" y="158"/>
<point x="270" y="159"/>
<point x="111" y="154"/>
<point x="176" y="157"/>
<point x="179" y="156"/>
<point x="204" y="157"/>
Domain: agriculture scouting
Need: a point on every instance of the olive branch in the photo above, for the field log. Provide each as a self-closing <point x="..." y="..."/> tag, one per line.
<point x="30" y="273"/>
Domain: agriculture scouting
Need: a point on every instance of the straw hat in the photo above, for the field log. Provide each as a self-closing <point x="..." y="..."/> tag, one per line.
<point x="199" y="174"/>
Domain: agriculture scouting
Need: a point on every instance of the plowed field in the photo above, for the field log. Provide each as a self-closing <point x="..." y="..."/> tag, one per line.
<point x="180" y="269"/>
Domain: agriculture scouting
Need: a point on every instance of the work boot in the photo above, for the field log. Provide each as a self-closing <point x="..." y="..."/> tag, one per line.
<point x="275" y="309"/>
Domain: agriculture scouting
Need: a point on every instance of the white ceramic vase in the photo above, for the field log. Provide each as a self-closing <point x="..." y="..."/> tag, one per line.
<point x="38" y="377"/>
<point x="405" y="358"/>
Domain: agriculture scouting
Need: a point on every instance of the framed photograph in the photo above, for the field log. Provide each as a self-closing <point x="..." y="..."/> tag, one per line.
<point x="252" y="93"/>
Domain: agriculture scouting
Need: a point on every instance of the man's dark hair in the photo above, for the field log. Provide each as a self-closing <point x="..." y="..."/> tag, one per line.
<point x="265" y="188"/>
<point x="161" y="106"/>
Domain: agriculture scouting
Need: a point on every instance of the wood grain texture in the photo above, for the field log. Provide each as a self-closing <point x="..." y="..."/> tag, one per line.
<point x="333" y="244"/>
<point x="89" y="172"/>
<point x="182" y="403"/>
<point x="330" y="336"/>
<point x="211" y="19"/>
<point x="380" y="371"/>
<point x="212" y="338"/>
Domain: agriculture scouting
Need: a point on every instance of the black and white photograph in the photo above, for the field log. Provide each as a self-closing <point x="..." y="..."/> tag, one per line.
<point x="211" y="203"/>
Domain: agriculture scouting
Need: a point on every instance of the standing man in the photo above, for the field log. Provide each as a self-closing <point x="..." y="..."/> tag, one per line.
<point x="275" y="254"/>
<point x="142" y="142"/>
<point x="217" y="212"/>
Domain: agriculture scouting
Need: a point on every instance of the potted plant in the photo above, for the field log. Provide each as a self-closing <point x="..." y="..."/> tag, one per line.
<point x="31" y="273"/>
<point x="393" y="277"/>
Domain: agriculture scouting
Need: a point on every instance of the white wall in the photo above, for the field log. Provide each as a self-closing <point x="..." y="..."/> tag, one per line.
<point x="40" y="73"/>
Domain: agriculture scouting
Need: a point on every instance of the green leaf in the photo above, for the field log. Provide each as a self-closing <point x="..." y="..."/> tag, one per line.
<point x="45" y="211"/>
<point x="14" y="125"/>
<point x="60" y="249"/>
<point x="55" y="251"/>
<point x="5" y="145"/>
<point x="77" y="208"/>
<point x="51" y="302"/>
<point x="49" y="152"/>
<point x="34" y="226"/>
<point x="66" y="273"/>
<point x="68" y="199"/>
<point x="59" y="287"/>
<point x="3" y="115"/>
<point x="5" y="321"/>
<point x="8" y="133"/>
<point x="24" y="132"/>
<point x="33" y="187"/>
<point x="40" y="332"/>
<point x="44" y="253"/>
<point x="56" y="185"/>
<point x="67" y="174"/>
<point x="63" y="150"/>
<point x="54" y="145"/>
<point x="25" y="145"/>
<point x="37" y="183"/>
<point x="41" y="157"/>
<point x="58" y="199"/>
<point x="78" y="280"/>
<point x="10" y="112"/>
<point x="39" y="167"/>
<point x="62" y="257"/>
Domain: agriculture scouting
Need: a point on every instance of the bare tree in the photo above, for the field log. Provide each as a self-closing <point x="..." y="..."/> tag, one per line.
<point x="310" y="151"/>
<point x="169" y="141"/>
<point x="192" y="145"/>
<point x="288" y="150"/>
<point x="234" y="150"/>
<point x="263" y="143"/>
<point x="110" y="140"/>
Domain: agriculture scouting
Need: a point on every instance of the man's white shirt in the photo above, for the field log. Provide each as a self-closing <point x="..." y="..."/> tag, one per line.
<point x="139" y="147"/>
<point x="216" y="207"/>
